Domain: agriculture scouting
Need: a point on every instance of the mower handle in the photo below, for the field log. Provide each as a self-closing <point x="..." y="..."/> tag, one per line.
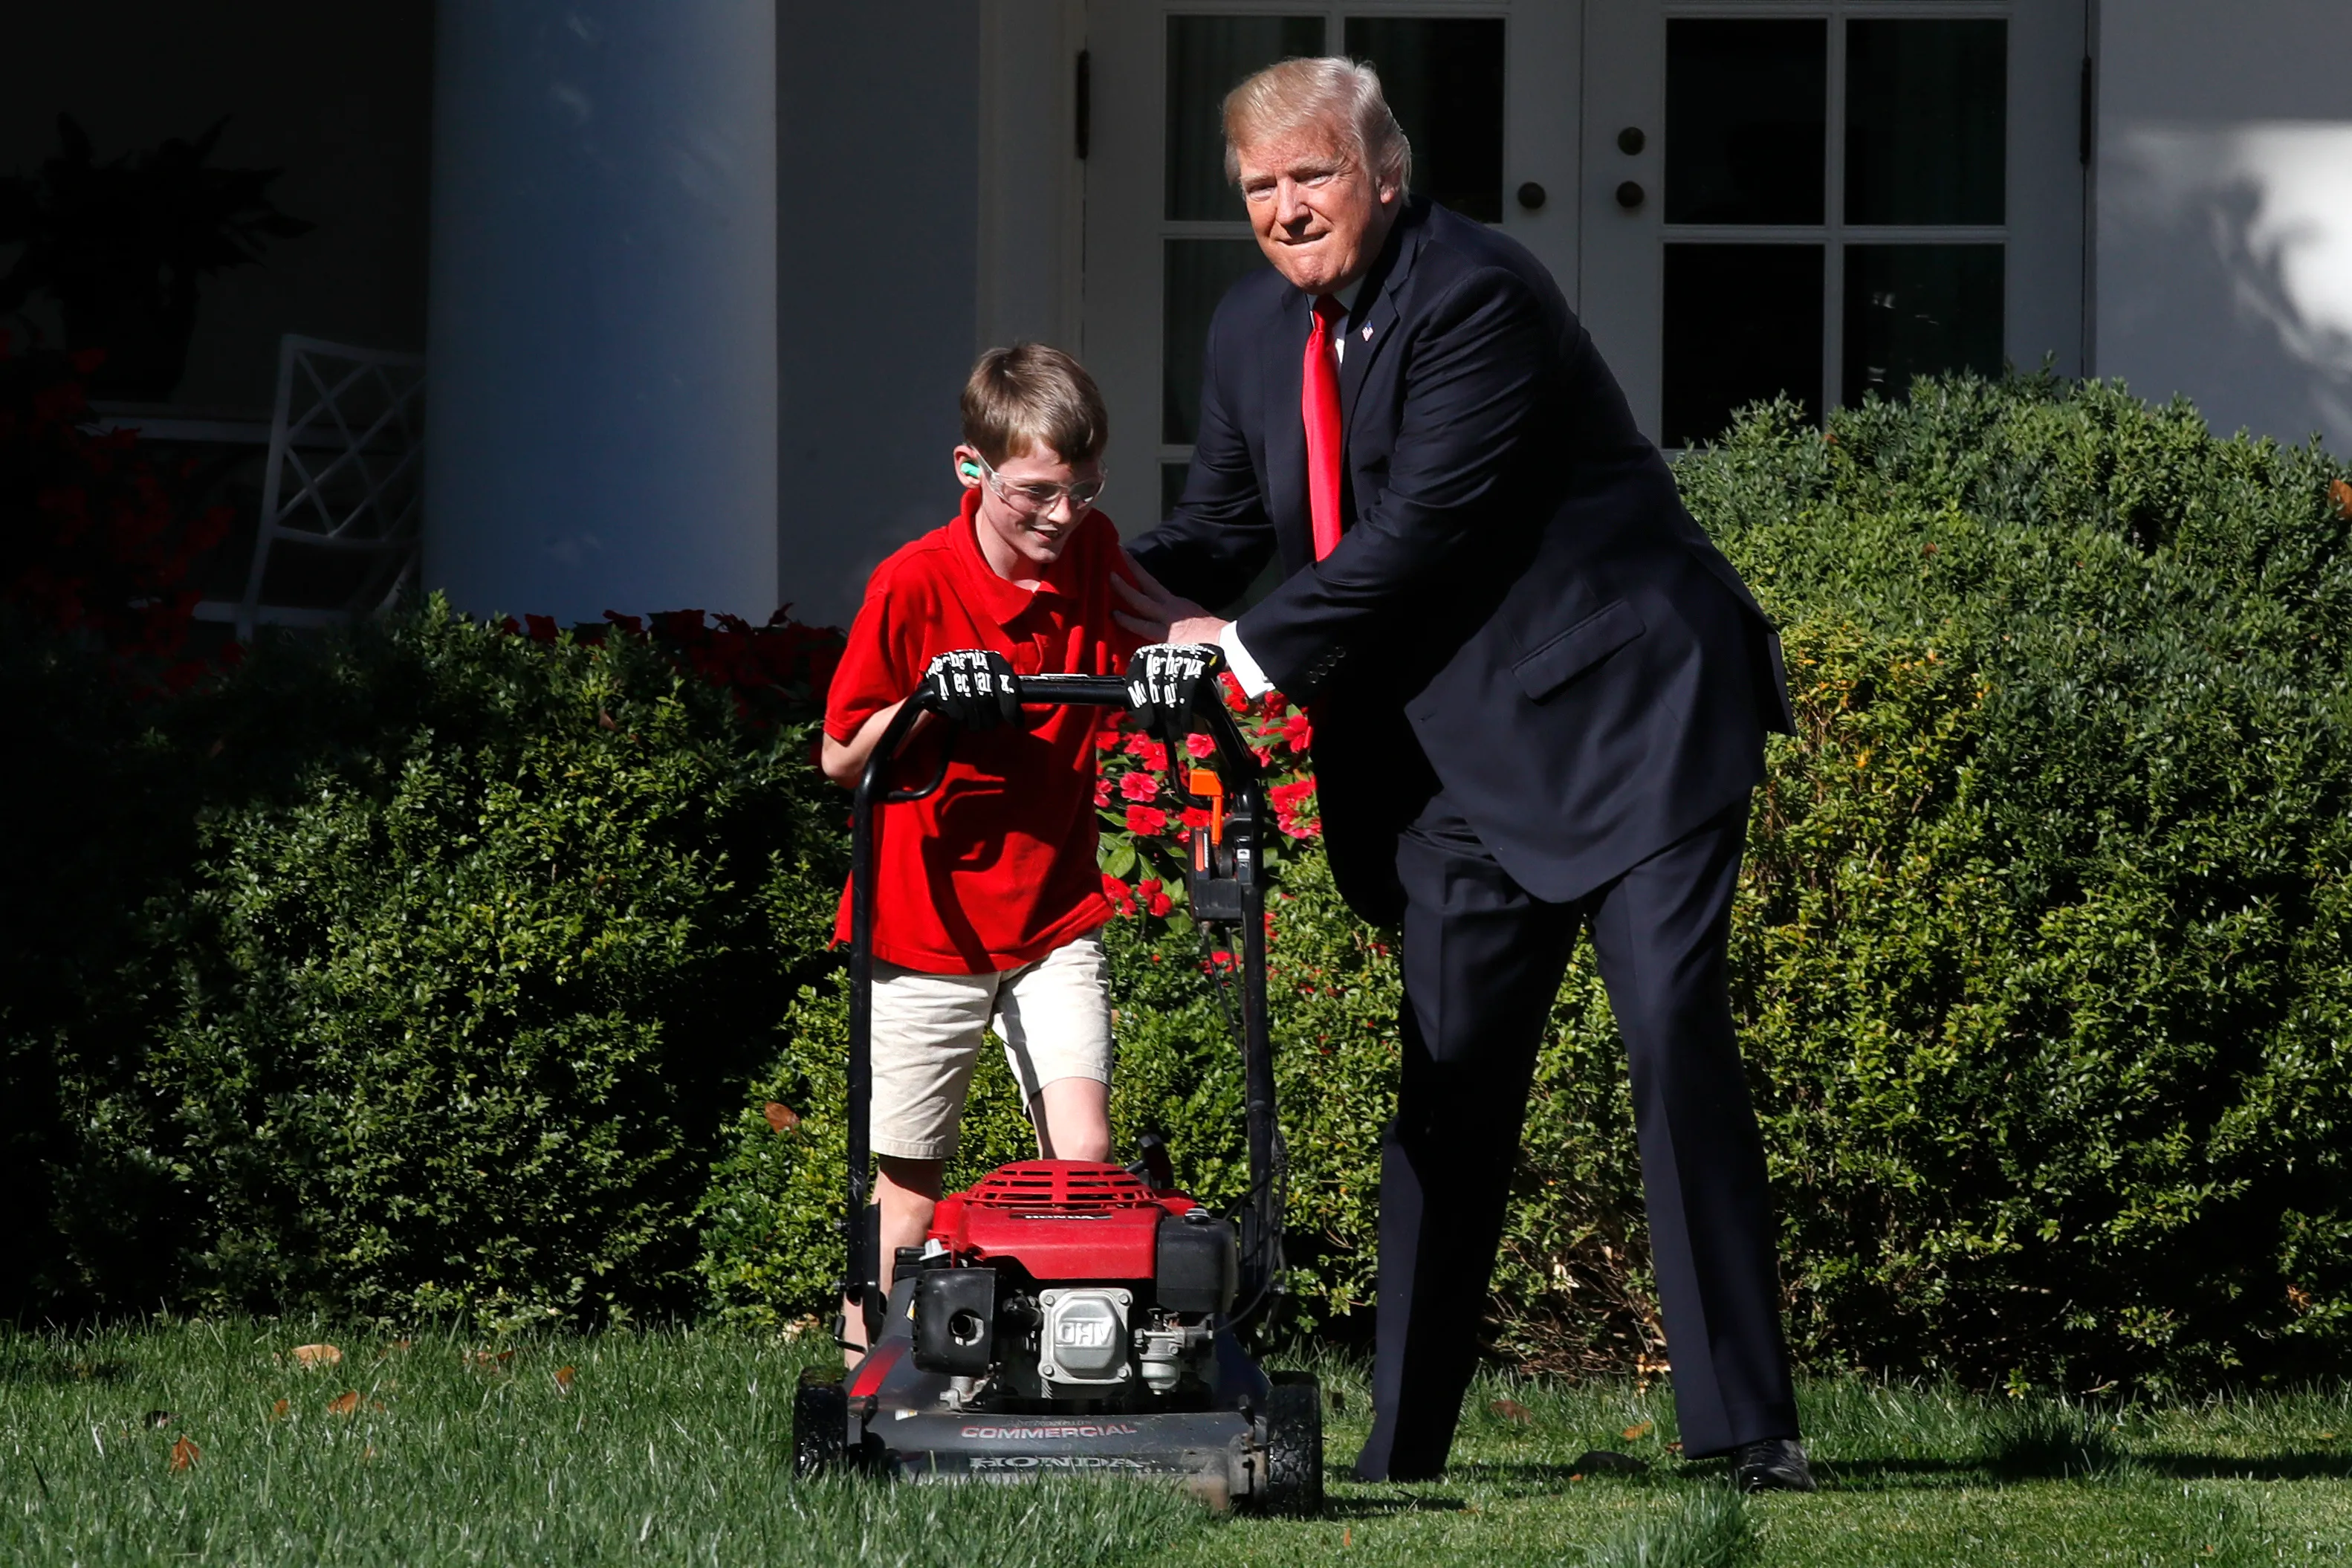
<point x="1244" y="829"/>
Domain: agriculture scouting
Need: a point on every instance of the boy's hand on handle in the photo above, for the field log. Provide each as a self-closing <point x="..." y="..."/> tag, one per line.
<point x="974" y="687"/>
<point x="1162" y="681"/>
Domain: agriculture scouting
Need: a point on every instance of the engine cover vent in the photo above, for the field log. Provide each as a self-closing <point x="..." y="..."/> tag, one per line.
<point x="1066" y="1185"/>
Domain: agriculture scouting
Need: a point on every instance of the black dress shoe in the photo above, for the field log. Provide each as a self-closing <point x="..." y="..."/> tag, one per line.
<point x="1771" y="1465"/>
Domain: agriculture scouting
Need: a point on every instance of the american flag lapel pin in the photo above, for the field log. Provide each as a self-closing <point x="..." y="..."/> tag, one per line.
<point x="1368" y="332"/>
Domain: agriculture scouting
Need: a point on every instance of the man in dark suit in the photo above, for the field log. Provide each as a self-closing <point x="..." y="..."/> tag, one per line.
<point x="1541" y="696"/>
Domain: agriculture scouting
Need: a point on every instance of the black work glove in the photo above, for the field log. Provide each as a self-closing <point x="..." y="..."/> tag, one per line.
<point x="1164" y="680"/>
<point x="974" y="688"/>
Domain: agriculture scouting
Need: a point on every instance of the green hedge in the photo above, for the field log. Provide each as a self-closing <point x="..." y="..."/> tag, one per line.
<point x="448" y="977"/>
<point x="441" y="968"/>
<point x="2041" y="956"/>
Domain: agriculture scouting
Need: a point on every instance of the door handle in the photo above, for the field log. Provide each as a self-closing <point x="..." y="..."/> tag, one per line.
<point x="1629" y="194"/>
<point x="1532" y="196"/>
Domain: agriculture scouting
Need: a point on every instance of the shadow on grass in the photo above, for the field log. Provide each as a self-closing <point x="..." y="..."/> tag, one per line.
<point x="2225" y="1468"/>
<point x="1346" y="1506"/>
<point x="50" y="1369"/>
<point x="1550" y="1476"/>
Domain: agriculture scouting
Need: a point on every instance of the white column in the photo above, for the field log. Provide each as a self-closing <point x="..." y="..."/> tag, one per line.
<point x="602" y="347"/>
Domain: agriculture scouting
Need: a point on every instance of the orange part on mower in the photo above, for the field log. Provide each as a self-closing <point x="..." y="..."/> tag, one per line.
<point x="1205" y="784"/>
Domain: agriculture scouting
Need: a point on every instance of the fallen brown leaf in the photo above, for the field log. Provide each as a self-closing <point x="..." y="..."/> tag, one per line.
<point x="317" y="1356"/>
<point x="1512" y="1410"/>
<point x="2343" y="494"/>
<point x="781" y="1117"/>
<point x="564" y="1377"/>
<point x="280" y="1409"/>
<point x="1635" y="1434"/>
<point x="1674" y="1448"/>
<point x="489" y="1361"/>
<point x="184" y="1454"/>
<point x="343" y="1404"/>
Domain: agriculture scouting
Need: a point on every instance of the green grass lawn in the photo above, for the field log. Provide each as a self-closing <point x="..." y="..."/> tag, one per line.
<point x="210" y="1444"/>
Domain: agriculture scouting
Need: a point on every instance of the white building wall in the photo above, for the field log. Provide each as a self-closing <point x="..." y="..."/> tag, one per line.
<point x="2225" y="202"/>
<point x="878" y="108"/>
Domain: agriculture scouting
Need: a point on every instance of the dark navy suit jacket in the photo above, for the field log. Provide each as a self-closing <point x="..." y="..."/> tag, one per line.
<point x="1519" y="611"/>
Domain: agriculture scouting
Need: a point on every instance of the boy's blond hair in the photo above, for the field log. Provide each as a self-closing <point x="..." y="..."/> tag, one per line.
<point x="1033" y="397"/>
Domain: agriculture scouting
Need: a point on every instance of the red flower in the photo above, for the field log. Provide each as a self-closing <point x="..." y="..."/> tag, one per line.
<point x="1121" y="896"/>
<point x="543" y="627"/>
<point x="1293" y="803"/>
<point x="1107" y="738"/>
<point x="1275" y="704"/>
<point x="1153" y="898"/>
<point x="1195" y="817"/>
<point x="1140" y="786"/>
<point x="1148" y="820"/>
<point x="1102" y="791"/>
<point x="1198" y="746"/>
<point x="1231" y="687"/>
<point x="1299" y="731"/>
<point x="1149" y="751"/>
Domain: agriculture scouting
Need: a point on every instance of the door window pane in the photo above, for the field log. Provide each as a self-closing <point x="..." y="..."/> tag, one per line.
<point x="1914" y="308"/>
<point x="1927" y="110"/>
<point x="1743" y="323"/>
<point x="1208" y="56"/>
<point x="1197" y="274"/>
<point x="1444" y="78"/>
<point x="1746" y="119"/>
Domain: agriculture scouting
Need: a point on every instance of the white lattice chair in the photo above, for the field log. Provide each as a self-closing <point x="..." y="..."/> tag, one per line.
<point x="343" y="491"/>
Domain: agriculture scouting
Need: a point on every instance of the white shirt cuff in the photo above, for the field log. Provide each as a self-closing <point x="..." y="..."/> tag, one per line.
<point x="1244" y="667"/>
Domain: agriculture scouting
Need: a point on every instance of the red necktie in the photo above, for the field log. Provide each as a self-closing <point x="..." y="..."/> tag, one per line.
<point x="1318" y="405"/>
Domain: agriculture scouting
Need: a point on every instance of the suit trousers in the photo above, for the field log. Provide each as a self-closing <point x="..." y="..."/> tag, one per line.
<point x="1483" y="962"/>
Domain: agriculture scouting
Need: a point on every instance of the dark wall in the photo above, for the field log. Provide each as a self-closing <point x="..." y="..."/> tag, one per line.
<point x="339" y="95"/>
<point x="879" y="109"/>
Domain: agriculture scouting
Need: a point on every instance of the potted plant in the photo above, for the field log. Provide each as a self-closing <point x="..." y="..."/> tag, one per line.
<point x="121" y="245"/>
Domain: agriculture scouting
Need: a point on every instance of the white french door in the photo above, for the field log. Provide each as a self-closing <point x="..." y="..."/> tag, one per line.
<point x="1741" y="197"/>
<point x="1484" y="88"/>
<point x="1827" y="198"/>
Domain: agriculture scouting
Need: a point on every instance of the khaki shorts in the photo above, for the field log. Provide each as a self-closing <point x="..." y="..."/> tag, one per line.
<point x="1054" y="1017"/>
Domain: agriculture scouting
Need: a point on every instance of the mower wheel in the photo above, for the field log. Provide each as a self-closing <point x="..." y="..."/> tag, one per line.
<point x="1294" y="1444"/>
<point x="820" y="1423"/>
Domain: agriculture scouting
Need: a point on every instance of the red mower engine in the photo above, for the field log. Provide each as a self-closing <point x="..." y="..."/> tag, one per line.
<point x="1069" y="1281"/>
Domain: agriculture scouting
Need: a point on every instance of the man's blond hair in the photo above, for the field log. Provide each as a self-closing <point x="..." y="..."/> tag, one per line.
<point x="1031" y="397"/>
<point x="1328" y="91"/>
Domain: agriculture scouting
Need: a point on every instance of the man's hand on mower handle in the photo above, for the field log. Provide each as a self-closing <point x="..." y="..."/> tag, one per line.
<point x="975" y="688"/>
<point x="1164" y="680"/>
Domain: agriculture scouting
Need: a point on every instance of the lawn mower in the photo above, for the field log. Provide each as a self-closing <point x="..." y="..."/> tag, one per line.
<point x="1065" y="1316"/>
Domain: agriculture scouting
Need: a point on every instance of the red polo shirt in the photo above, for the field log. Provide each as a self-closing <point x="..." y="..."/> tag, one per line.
<point x="997" y="869"/>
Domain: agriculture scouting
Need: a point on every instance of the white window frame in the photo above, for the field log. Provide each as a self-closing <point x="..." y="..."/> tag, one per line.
<point x="1624" y="252"/>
